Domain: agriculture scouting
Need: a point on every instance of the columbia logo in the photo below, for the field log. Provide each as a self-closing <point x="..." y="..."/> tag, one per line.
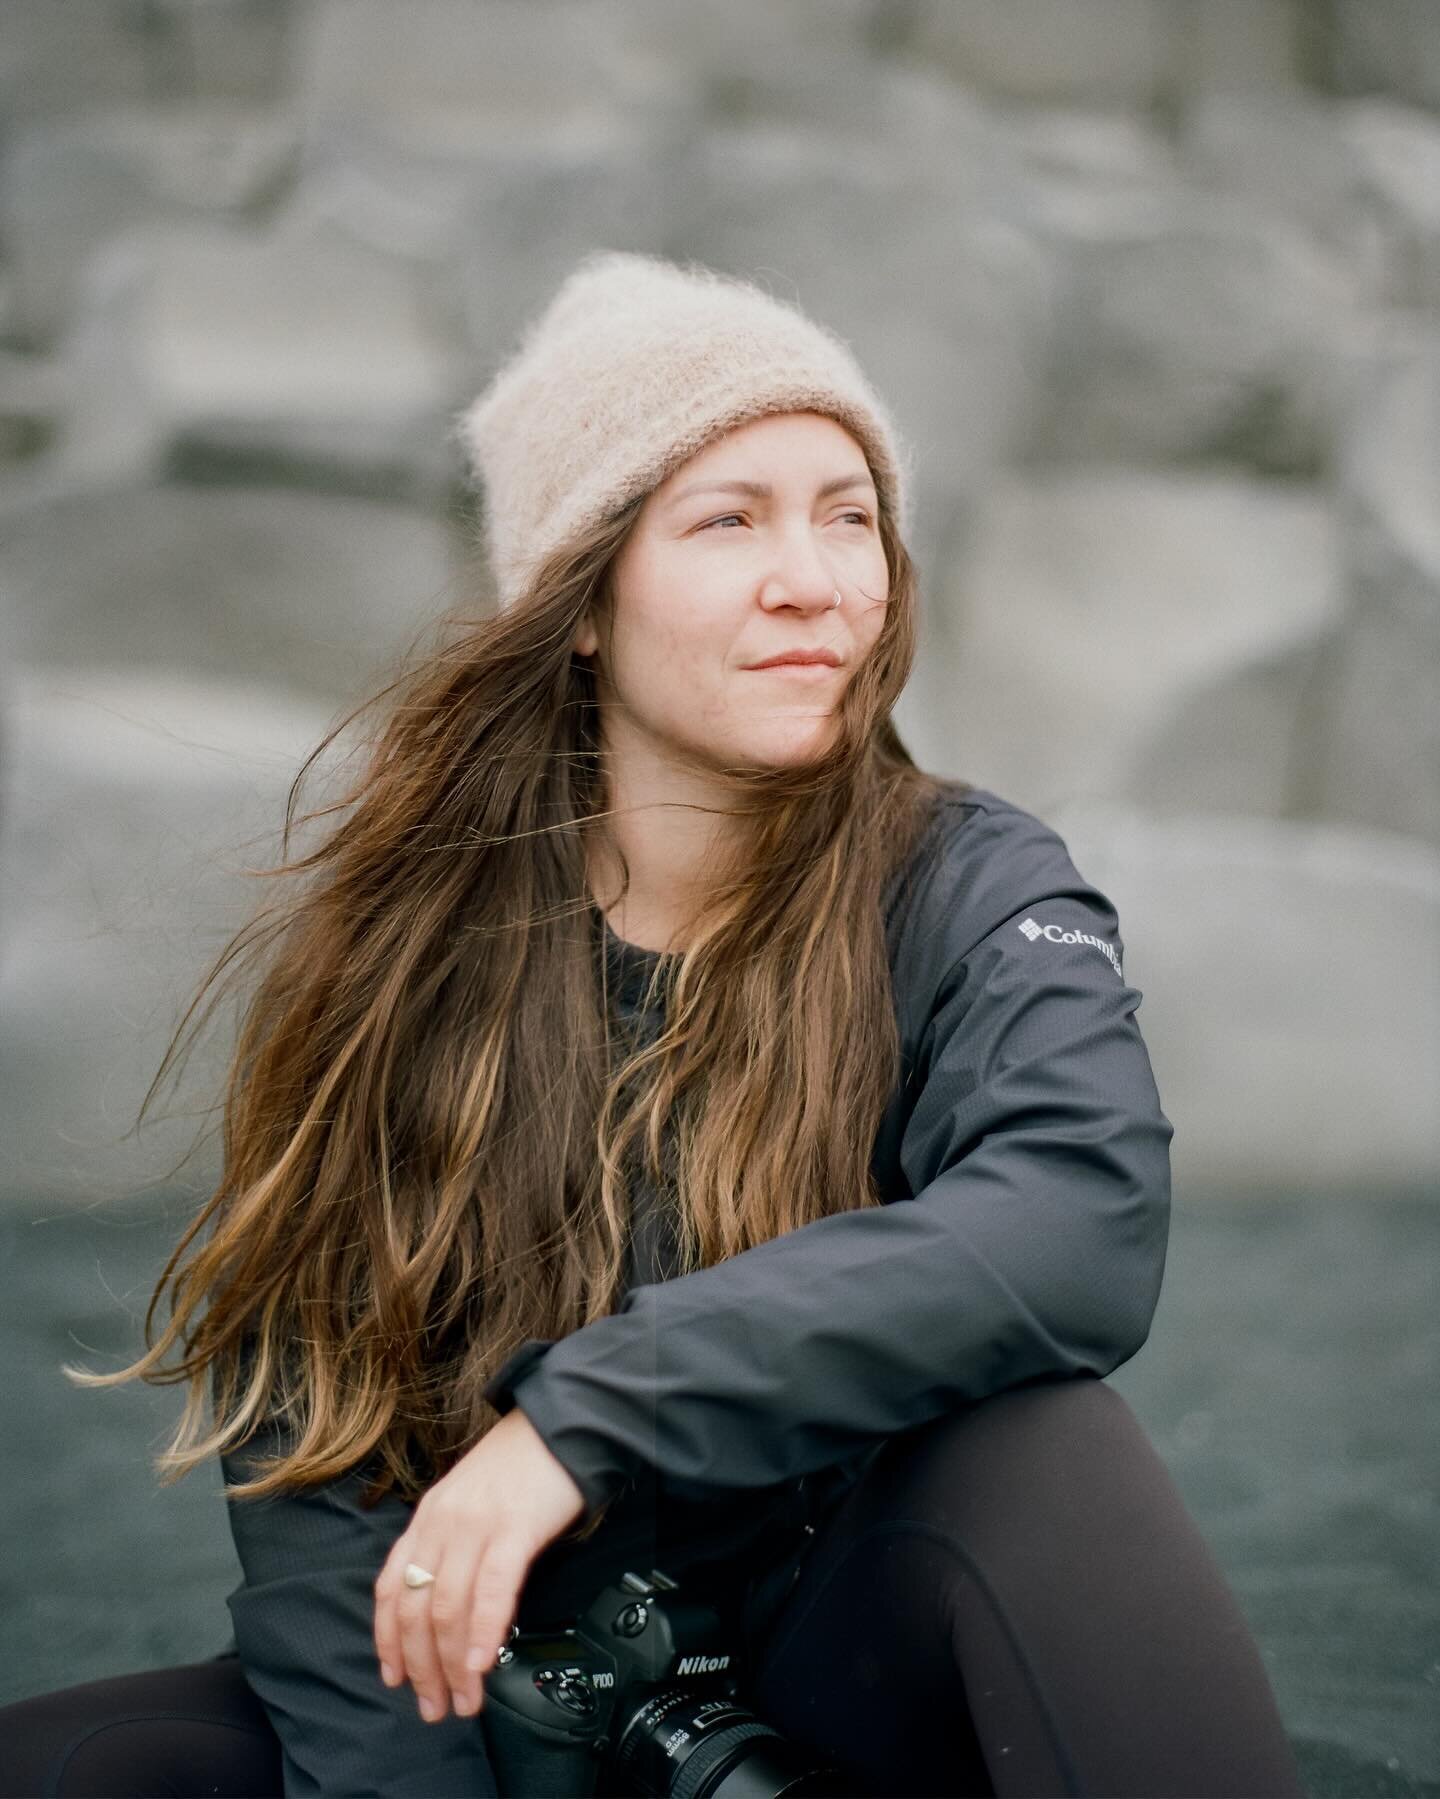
<point x="1030" y="930"/>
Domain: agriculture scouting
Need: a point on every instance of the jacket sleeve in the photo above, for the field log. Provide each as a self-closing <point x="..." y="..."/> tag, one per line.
<point x="303" y="1617"/>
<point x="1032" y="1242"/>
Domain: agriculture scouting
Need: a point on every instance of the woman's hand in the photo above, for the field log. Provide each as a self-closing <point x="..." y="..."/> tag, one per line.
<point x="477" y="1530"/>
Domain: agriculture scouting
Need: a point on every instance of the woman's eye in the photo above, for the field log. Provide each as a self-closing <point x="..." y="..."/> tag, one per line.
<point x="855" y="513"/>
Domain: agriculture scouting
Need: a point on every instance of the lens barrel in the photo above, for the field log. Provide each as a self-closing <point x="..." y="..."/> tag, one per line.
<point x="682" y="1744"/>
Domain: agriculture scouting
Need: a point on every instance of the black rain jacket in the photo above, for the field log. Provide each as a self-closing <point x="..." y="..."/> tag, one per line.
<point x="1024" y="1158"/>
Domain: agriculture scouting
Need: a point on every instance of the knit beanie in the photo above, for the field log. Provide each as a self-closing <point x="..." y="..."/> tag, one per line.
<point x="636" y="363"/>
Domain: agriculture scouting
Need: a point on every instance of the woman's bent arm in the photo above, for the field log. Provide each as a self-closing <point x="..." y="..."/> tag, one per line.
<point x="1033" y="1245"/>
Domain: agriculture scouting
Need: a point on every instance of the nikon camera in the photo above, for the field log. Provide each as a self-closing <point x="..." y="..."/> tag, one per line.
<point x="638" y="1696"/>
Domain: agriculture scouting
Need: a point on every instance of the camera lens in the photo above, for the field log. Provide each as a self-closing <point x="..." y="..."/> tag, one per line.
<point x="687" y="1745"/>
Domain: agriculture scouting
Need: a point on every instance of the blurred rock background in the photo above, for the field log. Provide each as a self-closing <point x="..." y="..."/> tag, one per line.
<point x="1154" y="289"/>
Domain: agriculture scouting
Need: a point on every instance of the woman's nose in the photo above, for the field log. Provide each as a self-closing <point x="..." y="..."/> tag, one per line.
<point x="800" y="575"/>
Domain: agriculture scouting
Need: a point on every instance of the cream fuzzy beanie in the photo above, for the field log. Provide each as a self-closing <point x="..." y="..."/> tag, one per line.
<point x="635" y="365"/>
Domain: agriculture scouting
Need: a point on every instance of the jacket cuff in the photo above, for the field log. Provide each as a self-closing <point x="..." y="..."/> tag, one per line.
<point x="499" y="1390"/>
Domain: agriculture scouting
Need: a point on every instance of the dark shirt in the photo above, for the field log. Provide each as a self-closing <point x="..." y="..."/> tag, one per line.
<point x="1024" y="1161"/>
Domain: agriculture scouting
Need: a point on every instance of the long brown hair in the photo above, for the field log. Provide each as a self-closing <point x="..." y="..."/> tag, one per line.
<point x="430" y="1123"/>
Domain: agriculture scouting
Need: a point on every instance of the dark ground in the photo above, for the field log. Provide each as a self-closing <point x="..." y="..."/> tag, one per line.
<point x="1291" y="1383"/>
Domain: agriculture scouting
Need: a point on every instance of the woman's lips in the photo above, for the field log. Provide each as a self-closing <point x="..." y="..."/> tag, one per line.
<point x="795" y="668"/>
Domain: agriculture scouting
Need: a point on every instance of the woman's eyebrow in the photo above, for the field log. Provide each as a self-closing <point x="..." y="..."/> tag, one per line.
<point x="760" y="490"/>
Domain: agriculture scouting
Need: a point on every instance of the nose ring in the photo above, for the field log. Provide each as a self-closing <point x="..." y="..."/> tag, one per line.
<point x="837" y="599"/>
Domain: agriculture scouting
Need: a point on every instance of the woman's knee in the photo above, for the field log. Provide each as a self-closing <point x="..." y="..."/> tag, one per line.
<point x="1040" y="1449"/>
<point x="1065" y="1513"/>
<point x="1037" y="1540"/>
<point x="1036" y="1492"/>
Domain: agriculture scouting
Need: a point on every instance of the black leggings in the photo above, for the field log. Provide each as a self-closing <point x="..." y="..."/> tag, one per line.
<point x="1011" y="1600"/>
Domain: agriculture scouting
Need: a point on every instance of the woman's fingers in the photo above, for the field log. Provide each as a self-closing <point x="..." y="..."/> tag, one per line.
<point x="388" y="1648"/>
<point x="487" y="1619"/>
<point x="404" y="1640"/>
<point x="444" y="1636"/>
<point x="414" y="1621"/>
<point x="450" y="1603"/>
<point x="476" y="1530"/>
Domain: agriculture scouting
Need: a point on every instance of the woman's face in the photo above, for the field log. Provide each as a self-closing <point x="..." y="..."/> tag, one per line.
<point x="734" y="559"/>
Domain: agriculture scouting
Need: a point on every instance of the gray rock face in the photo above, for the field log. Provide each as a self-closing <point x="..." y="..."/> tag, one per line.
<point x="264" y="585"/>
<point x="449" y="76"/>
<point x="1387" y="46"/>
<point x="1360" y="178"/>
<point x="600" y="193"/>
<point x="1215" y="333"/>
<point x="173" y="656"/>
<point x="134" y="804"/>
<point x="1112" y="52"/>
<point x="1290" y="973"/>
<point x="1378" y="756"/>
<point x="1130" y="632"/>
<point x="59" y="57"/>
<point x="70" y="184"/>
<point x="1397" y="150"/>
<point x="1150" y="306"/>
<point x="300" y="344"/>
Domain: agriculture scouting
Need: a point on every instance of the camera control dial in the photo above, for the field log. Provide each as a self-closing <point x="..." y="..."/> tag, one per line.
<point x="569" y="1688"/>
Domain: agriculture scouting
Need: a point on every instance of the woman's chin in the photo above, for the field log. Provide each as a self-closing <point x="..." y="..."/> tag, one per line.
<point x="790" y="743"/>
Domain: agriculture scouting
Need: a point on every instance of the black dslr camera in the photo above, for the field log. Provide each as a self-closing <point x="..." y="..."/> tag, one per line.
<point x="638" y="1696"/>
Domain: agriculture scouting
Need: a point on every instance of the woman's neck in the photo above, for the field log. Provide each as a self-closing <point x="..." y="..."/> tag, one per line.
<point x="671" y="847"/>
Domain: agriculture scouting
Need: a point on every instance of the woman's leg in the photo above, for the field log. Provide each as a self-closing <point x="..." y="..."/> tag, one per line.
<point x="187" y="1730"/>
<point x="1014" y="1600"/>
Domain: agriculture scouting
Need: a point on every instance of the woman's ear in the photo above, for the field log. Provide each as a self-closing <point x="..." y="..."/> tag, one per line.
<point x="587" y="639"/>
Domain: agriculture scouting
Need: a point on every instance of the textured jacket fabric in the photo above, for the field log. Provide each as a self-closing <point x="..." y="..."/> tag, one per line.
<point x="1024" y="1161"/>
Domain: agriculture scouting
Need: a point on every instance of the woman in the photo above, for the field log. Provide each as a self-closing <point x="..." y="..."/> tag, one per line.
<point x="561" y="1226"/>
